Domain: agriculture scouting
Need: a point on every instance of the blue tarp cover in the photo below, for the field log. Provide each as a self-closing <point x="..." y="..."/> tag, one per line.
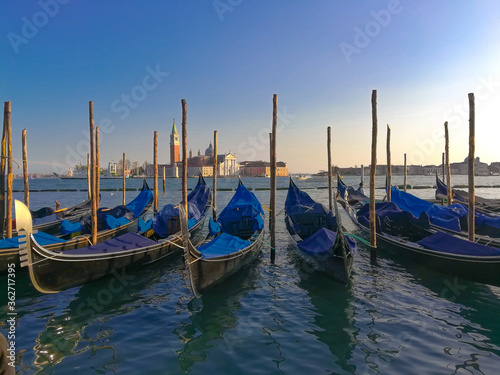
<point x="114" y="222"/>
<point x="144" y="225"/>
<point x="223" y="244"/>
<point x="40" y="237"/>
<point x="140" y="202"/>
<point x="124" y="242"/>
<point x="305" y="215"/>
<point x="452" y="217"/>
<point x="213" y="227"/>
<point x="46" y="219"/>
<point x="447" y="243"/>
<point x="242" y="206"/>
<point x="320" y="242"/>
<point x="69" y="227"/>
<point x="166" y="221"/>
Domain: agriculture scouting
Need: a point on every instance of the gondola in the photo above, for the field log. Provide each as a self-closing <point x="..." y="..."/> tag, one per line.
<point x="460" y="196"/>
<point x="233" y="242"/>
<point x="49" y="221"/>
<point x="355" y="197"/>
<point x="318" y="236"/>
<point x="452" y="219"/>
<point x="137" y="208"/>
<point x="403" y="235"/>
<point x="53" y="271"/>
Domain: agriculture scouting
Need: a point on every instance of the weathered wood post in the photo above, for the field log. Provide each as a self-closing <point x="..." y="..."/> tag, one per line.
<point x="329" y="153"/>
<point x="214" y="205"/>
<point x="373" y="167"/>
<point x="155" y="171"/>
<point x="273" y="177"/>
<point x="123" y="179"/>
<point x="443" y="163"/>
<point x="164" y="182"/>
<point x="10" y="175"/>
<point x="449" y="196"/>
<point x="472" y="141"/>
<point x="89" y="185"/>
<point x="3" y="163"/>
<point x="389" y="167"/>
<point x="184" y="157"/>
<point x="93" y="173"/>
<point x="405" y="179"/>
<point x="97" y="168"/>
<point x="25" y="170"/>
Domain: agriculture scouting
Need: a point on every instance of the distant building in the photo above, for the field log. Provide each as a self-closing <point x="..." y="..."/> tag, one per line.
<point x="262" y="169"/>
<point x="480" y="169"/>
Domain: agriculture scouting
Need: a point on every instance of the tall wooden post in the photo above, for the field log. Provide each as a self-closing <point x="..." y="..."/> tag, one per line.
<point x="270" y="179"/>
<point x="389" y="167"/>
<point x="184" y="156"/>
<point x="164" y="181"/>
<point x="25" y="170"/>
<point x="362" y="182"/>
<point x="373" y="168"/>
<point x="97" y="167"/>
<point x="89" y="185"/>
<point x="155" y="173"/>
<point x="93" y="173"/>
<point x="405" y="179"/>
<point x="472" y="141"/>
<point x="3" y="162"/>
<point x="123" y="179"/>
<point x="449" y="197"/>
<point x="443" y="172"/>
<point x="273" y="177"/>
<point x="329" y="153"/>
<point x="10" y="176"/>
<point x="215" y="177"/>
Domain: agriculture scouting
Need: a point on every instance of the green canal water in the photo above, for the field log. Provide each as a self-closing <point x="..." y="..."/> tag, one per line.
<point x="394" y="317"/>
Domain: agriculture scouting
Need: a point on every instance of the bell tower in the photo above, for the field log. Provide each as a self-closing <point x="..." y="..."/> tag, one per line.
<point x="174" y="146"/>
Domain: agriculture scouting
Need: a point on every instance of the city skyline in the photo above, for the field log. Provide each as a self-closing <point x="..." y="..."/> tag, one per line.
<point x="322" y="59"/>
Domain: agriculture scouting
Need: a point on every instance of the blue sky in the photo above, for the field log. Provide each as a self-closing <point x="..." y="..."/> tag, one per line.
<point x="137" y="60"/>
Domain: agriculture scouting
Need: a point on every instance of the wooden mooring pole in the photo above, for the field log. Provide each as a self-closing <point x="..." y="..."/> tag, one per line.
<point x="97" y="168"/>
<point x="449" y="197"/>
<point x="155" y="172"/>
<point x="123" y="179"/>
<point x="214" y="203"/>
<point x="472" y="142"/>
<point x="164" y="182"/>
<point x="273" y="178"/>
<point x="373" y="168"/>
<point x="10" y="175"/>
<point x="184" y="156"/>
<point x="93" y="174"/>
<point x="329" y="153"/>
<point x="389" y="167"/>
<point x="89" y="185"/>
<point x="3" y="162"/>
<point x="25" y="170"/>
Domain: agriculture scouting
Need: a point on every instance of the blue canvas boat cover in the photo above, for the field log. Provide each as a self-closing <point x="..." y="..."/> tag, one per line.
<point x="306" y="216"/>
<point x="140" y="202"/>
<point x="213" y="227"/>
<point x="320" y="242"/>
<point x="447" y="243"/>
<point x="349" y="193"/>
<point x="124" y="242"/>
<point x="166" y="221"/>
<point x="40" y="237"/>
<point x="223" y="244"/>
<point x="452" y="217"/>
<point x="46" y="219"/>
<point x="68" y="227"/>
<point x="243" y="213"/>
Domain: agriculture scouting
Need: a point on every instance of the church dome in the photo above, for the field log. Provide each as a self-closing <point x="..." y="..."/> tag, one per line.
<point x="210" y="150"/>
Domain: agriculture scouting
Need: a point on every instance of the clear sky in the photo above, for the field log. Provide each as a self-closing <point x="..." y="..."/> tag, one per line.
<point x="137" y="60"/>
